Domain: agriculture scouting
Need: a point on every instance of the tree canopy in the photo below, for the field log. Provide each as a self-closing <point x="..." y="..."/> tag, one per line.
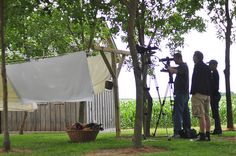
<point x="48" y="28"/>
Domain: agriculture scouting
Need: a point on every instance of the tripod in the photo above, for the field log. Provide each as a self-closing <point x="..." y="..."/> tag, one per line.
<point x="169" y="89"/>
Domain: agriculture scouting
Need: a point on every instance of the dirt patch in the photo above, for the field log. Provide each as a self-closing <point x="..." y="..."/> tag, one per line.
<point x="125" y="151"/>
<point x="17" y="150"/>
<point x="231" y="138"/>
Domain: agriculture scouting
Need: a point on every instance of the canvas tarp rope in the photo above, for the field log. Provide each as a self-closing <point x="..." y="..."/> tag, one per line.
<point x="58" y="79"/>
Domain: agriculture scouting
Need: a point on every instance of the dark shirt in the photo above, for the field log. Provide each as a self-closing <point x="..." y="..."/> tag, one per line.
<point x="201" y="79"/>
<point x="214" y="82"/>
<point x="181" y="83"/>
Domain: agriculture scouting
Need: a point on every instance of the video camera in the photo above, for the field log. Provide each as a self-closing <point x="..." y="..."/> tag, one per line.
<point x="167" y="59"/>
<point x="166" y="62"/>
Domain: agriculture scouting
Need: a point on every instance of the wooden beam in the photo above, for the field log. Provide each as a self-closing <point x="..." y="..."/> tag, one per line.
<point x="116" y="96"/>
<point x="108" y="64"/>
<point x="114" y="71"/>
<point x="105" y="49"/>
<point x="120" y="65"/>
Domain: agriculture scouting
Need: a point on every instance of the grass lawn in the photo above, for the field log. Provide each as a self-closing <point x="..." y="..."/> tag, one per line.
<point x="58" y="144"/>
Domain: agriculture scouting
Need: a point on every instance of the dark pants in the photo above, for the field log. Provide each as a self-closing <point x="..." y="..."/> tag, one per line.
<point x="181" y="114"/>
<point x="215" y="112"/>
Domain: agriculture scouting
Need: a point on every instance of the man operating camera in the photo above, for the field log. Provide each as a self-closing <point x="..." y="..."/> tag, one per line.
<point x="181" y="114"/>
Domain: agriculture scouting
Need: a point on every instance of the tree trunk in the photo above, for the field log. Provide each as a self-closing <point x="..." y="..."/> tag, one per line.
<point x="137" y="140"/>
<point x="144" y="103"/>
<point x="147" y="113"/>
<point x="147" y="106"/>
<point x="0" y="122"/>
<point x="6" y="140"/>
<point x="227" y="67"/>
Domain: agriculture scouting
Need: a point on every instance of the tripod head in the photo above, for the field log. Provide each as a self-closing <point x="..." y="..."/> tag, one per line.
<point x="166" y="61"/>
<point x="146" y="50"/>
<point x="142" y="49"/>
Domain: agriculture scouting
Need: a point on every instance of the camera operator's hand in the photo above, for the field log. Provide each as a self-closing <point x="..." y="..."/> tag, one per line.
<point x="172" y="70"/>
<point x="166" y="66"/>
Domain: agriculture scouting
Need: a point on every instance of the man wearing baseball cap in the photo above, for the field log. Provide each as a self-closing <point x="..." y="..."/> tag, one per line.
<point x="215" y="96"/>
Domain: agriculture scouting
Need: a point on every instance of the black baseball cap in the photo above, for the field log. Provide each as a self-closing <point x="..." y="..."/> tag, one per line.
<point x="214" y="62"/>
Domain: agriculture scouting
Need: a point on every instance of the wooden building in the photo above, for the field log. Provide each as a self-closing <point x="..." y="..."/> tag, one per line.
<point x="58" y="116"/>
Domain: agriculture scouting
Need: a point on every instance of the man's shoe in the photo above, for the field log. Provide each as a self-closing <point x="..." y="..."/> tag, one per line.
<point x="202" y="137"/>
<point x="216" y="132"/>
<point x="176" y="136"/>
<point x="208" y="138"/>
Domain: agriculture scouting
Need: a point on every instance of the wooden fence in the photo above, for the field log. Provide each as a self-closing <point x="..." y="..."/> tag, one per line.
<point x="57" y="116"/>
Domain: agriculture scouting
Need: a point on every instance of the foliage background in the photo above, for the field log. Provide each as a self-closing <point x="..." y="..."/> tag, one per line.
<point x="127" y="107"/>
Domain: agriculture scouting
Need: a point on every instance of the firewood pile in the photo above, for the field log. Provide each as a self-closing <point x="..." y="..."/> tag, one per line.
<point x="86" y="127"/>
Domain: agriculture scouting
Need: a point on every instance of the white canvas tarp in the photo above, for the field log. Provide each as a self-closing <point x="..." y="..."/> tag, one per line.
<point x="14" y="103"/>
<point x="98" y="72"/>
<point x="65" y="79"/>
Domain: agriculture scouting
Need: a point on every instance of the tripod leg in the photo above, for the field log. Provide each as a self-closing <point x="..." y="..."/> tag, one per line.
<point x="166" y="126"/>
<point x="161" y="110"/>
<point x="158" y="119"/>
